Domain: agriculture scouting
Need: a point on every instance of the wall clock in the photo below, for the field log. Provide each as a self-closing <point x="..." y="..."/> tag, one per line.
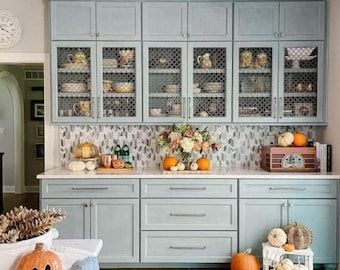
<point x="10" y="29"/>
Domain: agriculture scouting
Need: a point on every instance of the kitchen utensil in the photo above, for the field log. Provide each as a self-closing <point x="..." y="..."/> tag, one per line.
<point x="125" y="58"/>
<point x="123" y="87"/>
<point x="82" y="108"/>
<point x="79" y="57"/>
<point x="204" y="61"/>
<point x="107" y="86"/>
<point x="246" y="59"/>
<point x="74" y="87"/>
<point x="110" y="63"/>
<point x="261" y="60"/>
<point x="172" y="88"/>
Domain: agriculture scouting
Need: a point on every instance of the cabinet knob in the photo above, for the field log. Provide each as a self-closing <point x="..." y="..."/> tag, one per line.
<point x="282" y="34"/>
<point x="291" y="205"/>
<point x="86" y="205"/>
<point x="276" y="35"/>
<point x="284" y="205"/>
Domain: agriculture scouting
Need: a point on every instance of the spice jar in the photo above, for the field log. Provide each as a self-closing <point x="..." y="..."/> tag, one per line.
<point x="246" y="59"/>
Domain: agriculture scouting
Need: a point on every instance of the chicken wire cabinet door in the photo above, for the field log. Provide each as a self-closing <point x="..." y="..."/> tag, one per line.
<point x="73" y="76"/>
<point x="209" y="82"/>
<point x="118" y="21"/>
<point x="256" y="21"/>
<point x="255" y="82"/>
<point x="301" y="82"/>
<point x="119" y="82"/>
<point x="165" y="21"/>
<point x="210" y="21"/>
<point x="302" y="20"/>
<point x="73" y="20"/>
<point x="164" y="81"/>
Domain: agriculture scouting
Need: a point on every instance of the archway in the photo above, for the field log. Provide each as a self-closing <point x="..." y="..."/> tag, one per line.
<point x="18" y="103"/>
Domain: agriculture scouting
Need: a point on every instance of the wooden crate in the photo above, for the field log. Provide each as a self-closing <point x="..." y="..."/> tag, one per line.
<point x="272" y="158"/>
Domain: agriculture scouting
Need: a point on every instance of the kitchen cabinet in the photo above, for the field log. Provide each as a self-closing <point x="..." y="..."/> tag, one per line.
<point x="194" y="21"/>
<point x="73" y="20"/>
<point x="279" y="21"/>
<point x="89" y="20"/>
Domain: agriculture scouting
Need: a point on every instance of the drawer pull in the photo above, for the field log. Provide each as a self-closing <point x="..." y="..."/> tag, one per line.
<point x="90" y="188"/>
<point x="200" y="248"/>
<point x="288" y="188"/>
<point x="187" y="215"/>
<point x="188" y="188"/>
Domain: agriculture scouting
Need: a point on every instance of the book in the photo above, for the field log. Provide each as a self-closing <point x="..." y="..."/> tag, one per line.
<point x="323" y="157"/>
<point x="329" y="158"/>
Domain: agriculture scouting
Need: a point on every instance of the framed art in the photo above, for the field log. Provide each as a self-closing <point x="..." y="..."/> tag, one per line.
<point x="37" y="110"/>
<point x="39" y="131"/>
<point x="39" y="151"/>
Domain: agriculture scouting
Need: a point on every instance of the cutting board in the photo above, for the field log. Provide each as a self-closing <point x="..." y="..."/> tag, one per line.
<point x="112" y="170"/>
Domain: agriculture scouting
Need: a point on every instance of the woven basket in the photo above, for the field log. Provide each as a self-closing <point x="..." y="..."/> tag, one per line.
<point x="299" y="235"/>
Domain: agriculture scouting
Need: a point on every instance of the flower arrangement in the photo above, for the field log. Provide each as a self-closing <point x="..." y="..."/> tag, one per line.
<point x="185" y="141"/>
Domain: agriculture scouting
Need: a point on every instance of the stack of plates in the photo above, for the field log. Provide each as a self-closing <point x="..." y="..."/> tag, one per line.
<point x="213" y="87"/>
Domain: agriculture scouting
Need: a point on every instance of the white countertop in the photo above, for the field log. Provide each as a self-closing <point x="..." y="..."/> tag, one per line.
<point x="223" y="172"/>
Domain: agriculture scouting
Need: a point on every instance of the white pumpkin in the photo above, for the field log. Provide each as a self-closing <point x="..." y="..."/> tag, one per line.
<point x="285" y="264"/>
<point x="277" y="237"/>
<point x="76" y="166"/>
<point x="285" y="139"/>
<point x="173" y="168"/>
<point x="181" y="166"/>
<point x="90" y="165"/>
<point x="299" y="267"/>
<point x="194" y="166"/>
<point x="287" y="261"/>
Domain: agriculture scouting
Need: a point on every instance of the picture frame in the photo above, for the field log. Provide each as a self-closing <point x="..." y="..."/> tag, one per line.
<point x="39" y="131"/>
<point x="37" y="88"/>
<point x="39" y="151"/>
<point x="37" y="110"/>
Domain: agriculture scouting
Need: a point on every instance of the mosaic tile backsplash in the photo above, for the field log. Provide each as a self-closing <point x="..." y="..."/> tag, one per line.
<point x="240" y="145"/>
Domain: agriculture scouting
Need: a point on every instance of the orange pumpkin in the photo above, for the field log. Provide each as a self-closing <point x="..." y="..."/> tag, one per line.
<point x="40" y="259"/>
<point x="300" y="139"/>
<point x="203" y="163"/>
<point x="289" y="247"/>
<point x="169" y="162"/>
<point x="245" y="261"/>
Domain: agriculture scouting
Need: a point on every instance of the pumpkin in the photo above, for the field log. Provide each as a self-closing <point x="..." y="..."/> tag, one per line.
<point x="245" y="261"/>
<point x="285" y="139"/>
<point x="90" y="165"/>
<point x="118" y="164"/>
<point x="285" y="264"/>
<point x="76" y="166"/>
<point x="299" y="267"/>
<point x="299" y="235"/>
<point x="203" y="164"/>
<point x="300" y="139"/>
<point x="169" y="162"/>
<point x="277" y="237"/>
<point x="85" y="150"/>
<point x="193" y="166"/>
<point x="289" y="247"/>
<point x="181" y="166"/>
<point x="39" y="259"/>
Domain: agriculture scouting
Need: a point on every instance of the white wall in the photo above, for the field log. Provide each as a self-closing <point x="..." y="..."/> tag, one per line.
<point x="7" y="138"/>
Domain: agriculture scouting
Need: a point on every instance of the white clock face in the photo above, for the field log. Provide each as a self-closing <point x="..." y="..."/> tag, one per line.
<point x="10" y="29"/>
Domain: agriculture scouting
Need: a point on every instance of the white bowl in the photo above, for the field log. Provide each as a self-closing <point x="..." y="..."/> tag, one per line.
<point x="302" y="53"/>
<point x="74" y="87"/>
<point x="172" y="88"/>
<point x="123" y="87"/>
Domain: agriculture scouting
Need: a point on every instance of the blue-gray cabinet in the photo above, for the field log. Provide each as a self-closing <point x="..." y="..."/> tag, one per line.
<point x="181" y="21"/>
<point x="303" y="20"/>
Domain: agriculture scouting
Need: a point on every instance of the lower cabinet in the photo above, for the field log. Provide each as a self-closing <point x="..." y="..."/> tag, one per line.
<point x="116" y="221"/>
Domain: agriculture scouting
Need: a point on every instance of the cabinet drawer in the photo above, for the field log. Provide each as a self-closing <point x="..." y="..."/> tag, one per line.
<point x="189" y="188"/>
<point x="288" y="188"/>
<point x="202" y="247"/>
<point x="90" y="188"/>
<point x="189" y="214"/>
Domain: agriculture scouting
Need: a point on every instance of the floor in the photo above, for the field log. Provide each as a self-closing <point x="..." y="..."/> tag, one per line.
<point x="30" y="200"/>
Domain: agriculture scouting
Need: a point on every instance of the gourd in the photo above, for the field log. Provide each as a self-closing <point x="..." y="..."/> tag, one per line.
<point x="168" y="162"/>
<point x="299" y="235"/>
<point x="118" y="164"/>
<point x="285" y="139"/>
<point x="173" y="168"/>
<point x="289" y="247"/>
<point x="299" y="267"/>
<point x="300" y="139"/>
<point x="180" y="166"/>
<point x="245" y="261"/>
<point x="203" y="163"/>
<point x="193" y="166"/>
<point x="40" y="259"/>
<point x="277" y="237"/>
<point x="90" y="165"/>
<point x="285" y="264"/>
<point x="76" y="166"/>
<point x="85" y="150"/>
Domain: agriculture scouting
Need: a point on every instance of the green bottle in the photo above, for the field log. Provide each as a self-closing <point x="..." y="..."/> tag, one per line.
<point x="118" y="151"/>
<point x="125" y="153"/>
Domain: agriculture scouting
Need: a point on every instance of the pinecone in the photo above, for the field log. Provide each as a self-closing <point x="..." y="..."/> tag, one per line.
<point x="10" y="236"/>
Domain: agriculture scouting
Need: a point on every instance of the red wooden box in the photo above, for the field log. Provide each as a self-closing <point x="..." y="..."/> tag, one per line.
<point x="288" y="159"/>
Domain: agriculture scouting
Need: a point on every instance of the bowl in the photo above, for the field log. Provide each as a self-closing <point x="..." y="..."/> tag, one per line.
<point x="213" y="87"/>
<point x="156" y="112"/>
<point x="300" y="53"/>
<point x="172" y="88"/>
<point x="123" y="87"/>
<point x="74" y="87"/>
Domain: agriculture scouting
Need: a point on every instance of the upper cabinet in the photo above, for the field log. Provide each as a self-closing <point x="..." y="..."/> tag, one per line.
<point x="73" y="20"/>
<point x="95" y="21"/>
<point x="180" y="21"/>
<point x="279" y="21"/>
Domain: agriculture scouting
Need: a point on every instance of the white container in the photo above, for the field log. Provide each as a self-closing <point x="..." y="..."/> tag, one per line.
<point x="11" y="253"/>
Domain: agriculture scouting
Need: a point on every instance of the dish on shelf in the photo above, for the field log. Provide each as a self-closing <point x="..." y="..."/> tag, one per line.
<point x="300" y="53"/>
<point x="74" y="87"/>
<point x="110" y="63"/>
<point x="156" y="112"/>
<point x="123" y="87"/>
<point x="74" y="66"/>
<point x="172" y="88"/>
<point x="303" y="109"/>
<point x="203" y="114"/>
<point x="107" y="85"/>
<point x="300" y="58"/>
<point x="213" y="87"/>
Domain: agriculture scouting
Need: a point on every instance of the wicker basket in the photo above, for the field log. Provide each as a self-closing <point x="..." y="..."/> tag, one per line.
<point x="288" y="159"/>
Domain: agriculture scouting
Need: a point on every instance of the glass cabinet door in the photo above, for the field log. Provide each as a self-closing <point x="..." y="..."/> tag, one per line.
<point x="73" y="66"/>
<point x="119" y="82"/>
<point x="210" y="67"/>
<point x="255" y="82"/>
<point x="301" y="82"/>
<point x="165" y="89"/>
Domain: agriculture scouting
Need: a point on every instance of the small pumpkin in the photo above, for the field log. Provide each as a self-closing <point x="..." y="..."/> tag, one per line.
<point x="180" y="166"/>
<point x="285" y="264"/>
<point x="168" y="162"/>
<point x="203" y="164"/>
<point x="40" y="259"/>
<point x="173" y="168"/>
<point x="299" y="267"/>
<point x="289" y="247"/>
<point x="299" y="235"/>
<point x="300" y="139"/>
<point x="90" y="166"/>
<point x="285" y="139"/>
<point x="76" y="166"/>
<point x="118" y="164"/>
<point x="85" y="150"/>
<point x="245" y="261"/>
<point x="277" y="237"/>
<point x="193" y="166"/>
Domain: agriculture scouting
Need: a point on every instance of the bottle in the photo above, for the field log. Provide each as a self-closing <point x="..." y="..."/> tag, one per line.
<point x="125" y="153"/>
<point x="118" y="151"/>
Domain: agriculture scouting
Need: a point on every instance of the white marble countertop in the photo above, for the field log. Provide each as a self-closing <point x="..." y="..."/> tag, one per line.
<point x="223" y="172"/>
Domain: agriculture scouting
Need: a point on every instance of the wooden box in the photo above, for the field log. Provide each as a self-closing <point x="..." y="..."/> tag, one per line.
<point x="288" y="159"/>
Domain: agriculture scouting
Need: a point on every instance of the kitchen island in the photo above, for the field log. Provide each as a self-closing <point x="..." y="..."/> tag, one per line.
<point x="148" y="218"/>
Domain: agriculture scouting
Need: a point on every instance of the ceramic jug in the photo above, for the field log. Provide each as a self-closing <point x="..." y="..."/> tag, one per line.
<point x="204" y="60"/>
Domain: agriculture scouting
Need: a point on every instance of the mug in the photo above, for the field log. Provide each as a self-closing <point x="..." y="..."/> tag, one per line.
<point x="106" y="161"/>
<point x="82" y="108"/>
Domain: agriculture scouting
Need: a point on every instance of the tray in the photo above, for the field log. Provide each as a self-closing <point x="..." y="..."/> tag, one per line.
<point x="112" y="170"/>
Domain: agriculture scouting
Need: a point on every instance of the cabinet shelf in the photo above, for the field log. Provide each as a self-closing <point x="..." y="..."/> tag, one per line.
<point x="73" y="95"/>
<point x="255" y="70"/>
<point x="110" y="95"/>
<point x="301" y="70"/>
<point x="254" y="95"/>
<point x="165" y="70"/>
<point x="74" y="70"/>
<point x="209" y="71"/>
<point x="209" y="95"/>
<point x="164" y="95"/>
<point x="293" y="94"/>
<point x="119" y="70"/>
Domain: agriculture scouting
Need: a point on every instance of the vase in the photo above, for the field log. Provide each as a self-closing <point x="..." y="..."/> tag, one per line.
<point x="186" y="159"/>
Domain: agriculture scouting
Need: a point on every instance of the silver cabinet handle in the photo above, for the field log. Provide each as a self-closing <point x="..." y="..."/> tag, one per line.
<point x="174" y="247"/>
<point x="183" y="107"/>
<point x="274" y="107"/>
<point x="280" y="107"/>
<point x="187" y="215"/>
<point x="188" y="188"/>
<point x="90" y="188"/>
<point x="99" y="105"/>
<point x="184" y="35"/>
<point x="288" y="188"/>
<point x="189" y="107"/>
<point x="93" y="101"/>
<point x="282" y="34"/>
<point x="86" y="205"/>
<point x="276" y="35"/>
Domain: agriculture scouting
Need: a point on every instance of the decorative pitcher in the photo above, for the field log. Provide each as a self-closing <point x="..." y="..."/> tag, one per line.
<point x="204" y="60"/>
